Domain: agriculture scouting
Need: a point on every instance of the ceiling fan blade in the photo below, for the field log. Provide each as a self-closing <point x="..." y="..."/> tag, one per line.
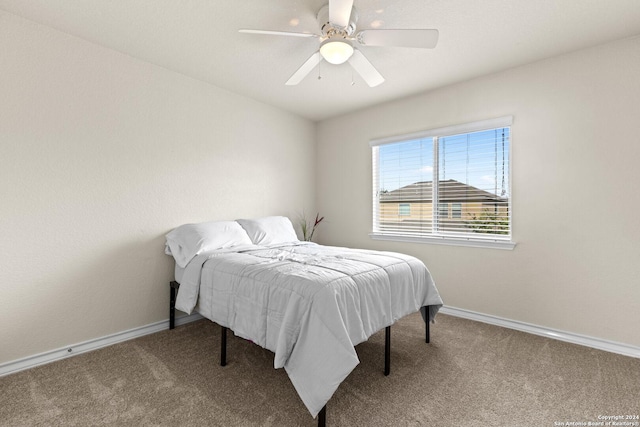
<point x="399" y="38"/>
<point x="304" y="70"/>
<point x="277" y="33"/>
<point x="365" y="69"/>
<point x="340" y="12"/>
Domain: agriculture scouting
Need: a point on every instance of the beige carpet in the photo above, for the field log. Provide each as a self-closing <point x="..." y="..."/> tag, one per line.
<point x="471" y="374"/>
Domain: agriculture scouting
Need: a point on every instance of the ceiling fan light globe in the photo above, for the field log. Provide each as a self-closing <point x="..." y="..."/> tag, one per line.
<point x="336" y="51"/>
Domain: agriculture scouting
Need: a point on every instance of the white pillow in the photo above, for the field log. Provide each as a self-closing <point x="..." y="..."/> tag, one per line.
<point x="189" y="240"/>
<point x="270" y="230"/>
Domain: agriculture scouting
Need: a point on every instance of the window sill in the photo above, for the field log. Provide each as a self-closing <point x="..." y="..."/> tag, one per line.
<point x="451" y="241"/>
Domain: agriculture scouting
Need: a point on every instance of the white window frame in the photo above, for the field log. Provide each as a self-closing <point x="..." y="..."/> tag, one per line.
<point x="493" y="241"/>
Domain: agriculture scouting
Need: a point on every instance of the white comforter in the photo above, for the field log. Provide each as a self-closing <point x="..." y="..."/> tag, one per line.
<point x="309" y="304"/>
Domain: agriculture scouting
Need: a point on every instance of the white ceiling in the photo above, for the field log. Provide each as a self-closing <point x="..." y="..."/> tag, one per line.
<point x="199" y="38"/>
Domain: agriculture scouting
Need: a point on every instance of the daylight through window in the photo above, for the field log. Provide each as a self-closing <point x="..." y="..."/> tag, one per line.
<point x="471" y="203"/>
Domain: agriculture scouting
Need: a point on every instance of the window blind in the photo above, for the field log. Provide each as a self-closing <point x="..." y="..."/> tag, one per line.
<point x="471" y="197"/>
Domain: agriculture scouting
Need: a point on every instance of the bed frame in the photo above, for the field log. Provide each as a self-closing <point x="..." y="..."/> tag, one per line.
<point x="322" y="415"/>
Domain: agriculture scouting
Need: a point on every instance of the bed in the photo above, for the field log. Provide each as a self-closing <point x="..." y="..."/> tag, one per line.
<point x="307" y="303"/>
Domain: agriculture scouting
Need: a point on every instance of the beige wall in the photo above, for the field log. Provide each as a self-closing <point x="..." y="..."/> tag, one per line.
<point x="574" y="138"/>
<point x="100" y="156"/>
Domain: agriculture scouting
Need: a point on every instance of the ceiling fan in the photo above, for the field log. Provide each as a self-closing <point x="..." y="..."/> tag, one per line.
<point x="339" y="41"/>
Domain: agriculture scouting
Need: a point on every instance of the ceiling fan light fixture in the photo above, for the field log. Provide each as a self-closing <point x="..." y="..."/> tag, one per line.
<point x="336" y="51"/>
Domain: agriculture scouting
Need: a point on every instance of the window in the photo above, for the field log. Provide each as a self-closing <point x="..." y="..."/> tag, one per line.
<point x="456" y="210"/>
<point x="404" y="209"/>
<point x="471" y="203"/>
<point x="443" y="210"/>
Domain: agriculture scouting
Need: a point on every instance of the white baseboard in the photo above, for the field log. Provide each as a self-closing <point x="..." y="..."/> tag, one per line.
<point x="597" y="343"/>
<point x="94" y="344"/>
<point x="83" y="347"/>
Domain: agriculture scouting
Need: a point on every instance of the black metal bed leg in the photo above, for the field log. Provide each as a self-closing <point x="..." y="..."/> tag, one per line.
<point x="322" y="417"/>
<point x="387" y="350"/>
<point x="427" y="332"/>
<point x="173" y="287"/>
<point x="223" y="347"/>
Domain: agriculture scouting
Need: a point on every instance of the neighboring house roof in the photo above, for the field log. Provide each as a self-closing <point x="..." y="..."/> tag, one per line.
<point x="448" y="191"/>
